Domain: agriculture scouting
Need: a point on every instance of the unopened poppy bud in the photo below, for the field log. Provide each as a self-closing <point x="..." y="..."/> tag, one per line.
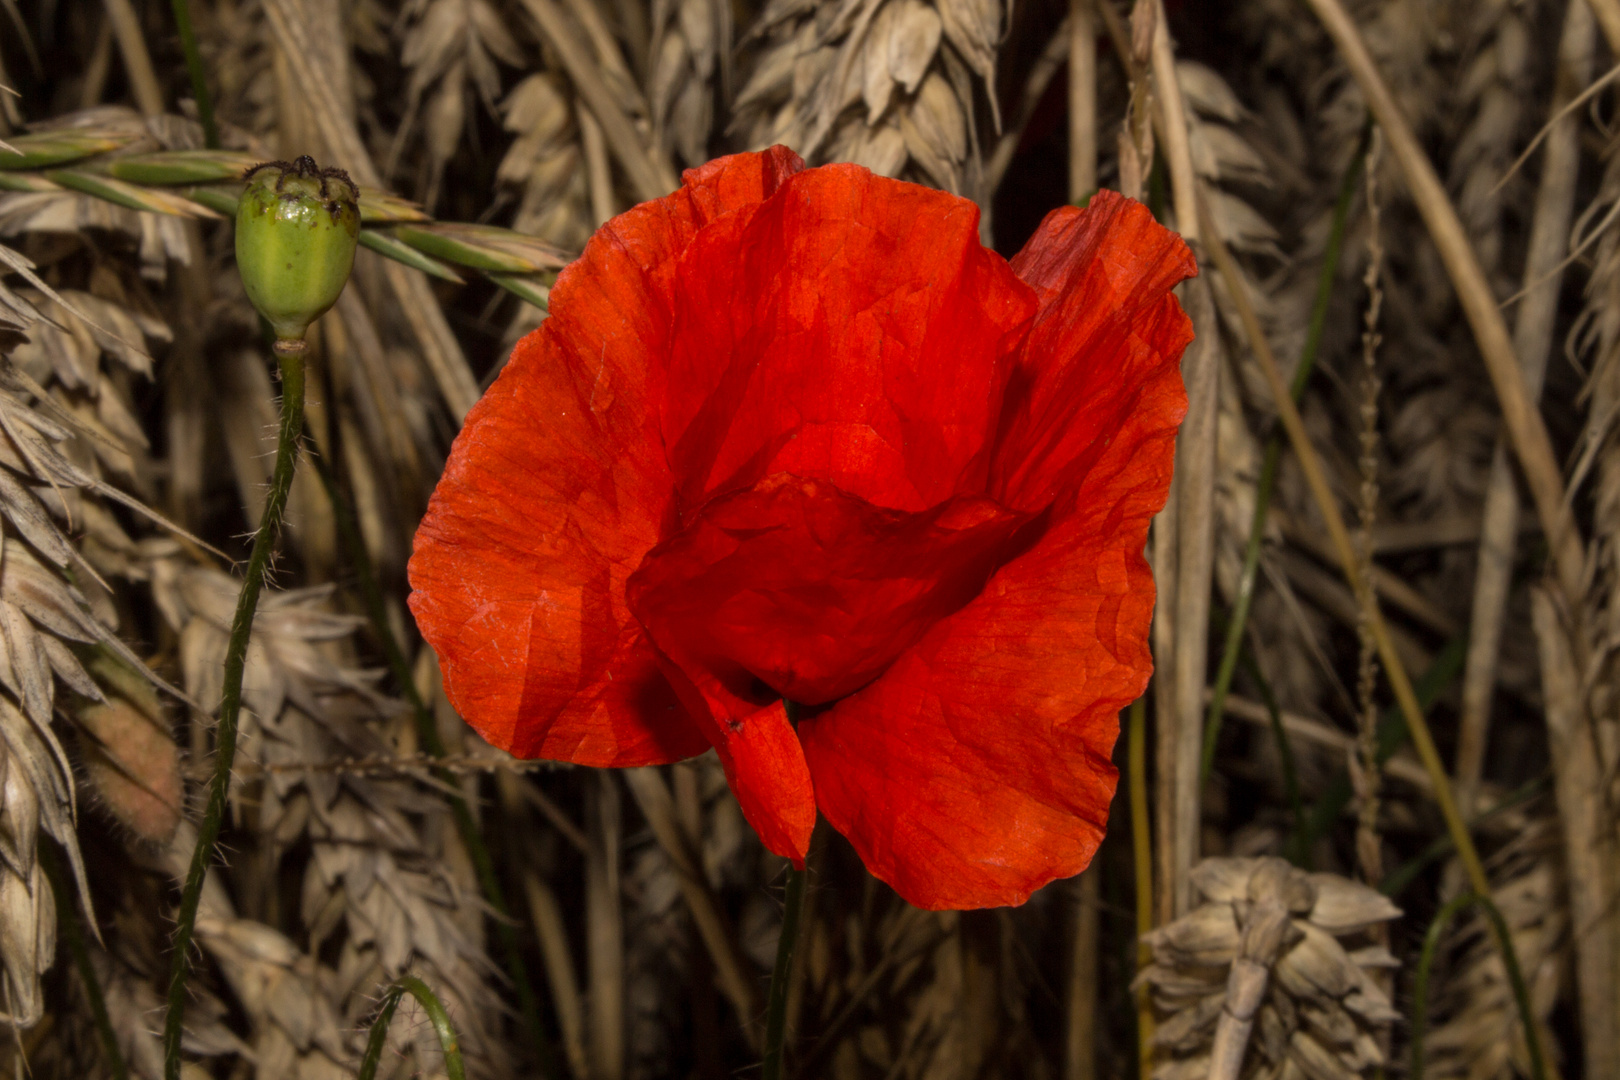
<point x="296" y="229"/>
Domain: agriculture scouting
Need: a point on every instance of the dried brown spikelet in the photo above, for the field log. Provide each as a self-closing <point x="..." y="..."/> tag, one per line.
<point x="295" y="1027"/>
<point x="450" y="44"/>
<point x="1595" y="340"/>
<point x="27" y="942"/>
<point x="65" y="353"/>
<point x="68" y="347"/>
<point x="883" y="83"/>
<point x="544" y="164"/>
<point x="1494" y="90"/>
<point x="691" y="45"/>
<point x="1260" y="965"/>
<point x="134" y="767"/>
<point x="386" y="875"/>
<point x="36" y="795"/>
<point x="1223" y="156"/>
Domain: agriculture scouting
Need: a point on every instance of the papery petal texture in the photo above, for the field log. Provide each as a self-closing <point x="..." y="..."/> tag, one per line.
<point x="1108" y="324"/>
<point x="853" y="330"/>
<point x="796" y="435"/>
<point x="555" y="489"/>
<point x="977" y="768"/>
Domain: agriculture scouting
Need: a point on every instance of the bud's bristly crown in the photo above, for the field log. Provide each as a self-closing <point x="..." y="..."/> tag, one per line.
<point x="296" y="230"/>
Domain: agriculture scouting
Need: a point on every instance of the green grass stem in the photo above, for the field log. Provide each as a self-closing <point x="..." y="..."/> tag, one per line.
<point x="67" y="914"/>
<point x="1233" y="645"/>
<point x="199" y="76"/>
<point x="1521" y="994"/>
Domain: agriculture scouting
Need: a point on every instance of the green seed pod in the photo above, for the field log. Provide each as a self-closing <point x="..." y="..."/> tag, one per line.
<point x="296" y="229"/>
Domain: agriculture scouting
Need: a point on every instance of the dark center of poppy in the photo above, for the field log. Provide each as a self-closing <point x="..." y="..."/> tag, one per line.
<point x="794" y="588"/>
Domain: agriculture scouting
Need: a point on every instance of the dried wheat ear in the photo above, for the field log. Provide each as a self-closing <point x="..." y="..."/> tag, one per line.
<point x="1258" y="974"/>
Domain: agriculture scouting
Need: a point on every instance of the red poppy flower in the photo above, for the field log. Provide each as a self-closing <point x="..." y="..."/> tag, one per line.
<point x="796" y="434"/>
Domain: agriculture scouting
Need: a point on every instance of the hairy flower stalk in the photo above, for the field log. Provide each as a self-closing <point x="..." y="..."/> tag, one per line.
<point x="296" y="230"/>
<point x="781" y="975"/>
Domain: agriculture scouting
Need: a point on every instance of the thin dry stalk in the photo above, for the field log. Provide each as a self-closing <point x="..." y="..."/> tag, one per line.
<point x="1173" y="129"/>
<point x="604" y="931"/>
<point x="1589" y="847"/>
<point x="649" y="174"/>
<point x="98" y="68"/>
<point x="1165" y="730"/>
<point x="1135" y="153"/>
<point x="1326" y="503"/>
<point x="1195" y="567"/>
<point x="555" y="953"/>
<point x="1525" y="427"/>
<point x="1135" y="142"/>
<point x="1082" y="100"/>
<point x="1080" y="1051"/>
<point x="652" y="795"/>
<point x="1195" y="498"/>
<point x="1081" y="1046"/>
<point x="1607" y="13"/>
<point x="126" y="26"/>
<point x="1532" y="341"/>
<point x="1367" y="779"/>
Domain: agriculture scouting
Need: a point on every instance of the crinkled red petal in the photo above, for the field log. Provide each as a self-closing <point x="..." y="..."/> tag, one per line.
<point x="1106" y="323"/>
<point x="796" y="589"/>
<point x="977" y="768"/>
<point x="761" y="755"/>
<point x="555" y="489"/>
<point x="851" y="329"/>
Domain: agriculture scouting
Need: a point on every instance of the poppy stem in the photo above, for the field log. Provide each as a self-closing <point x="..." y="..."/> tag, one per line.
<point x="781" y="974"/>
<point x="291" y="361"/>
<point x="454" y="1066"/>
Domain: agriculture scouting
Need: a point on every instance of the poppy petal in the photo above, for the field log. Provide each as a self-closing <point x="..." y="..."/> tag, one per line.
<point x="795" y="589"/>
<point x="554" y="490"/>
<point x="977" y="768"/>
<point x="850" y="329"/>
<point x="1103" y="276"/>
<point x="762" y="758"/>
<point x="519" y="567"/>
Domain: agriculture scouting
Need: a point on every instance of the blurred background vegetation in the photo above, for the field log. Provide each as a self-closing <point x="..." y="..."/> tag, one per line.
<point x="1413" y="310"/>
